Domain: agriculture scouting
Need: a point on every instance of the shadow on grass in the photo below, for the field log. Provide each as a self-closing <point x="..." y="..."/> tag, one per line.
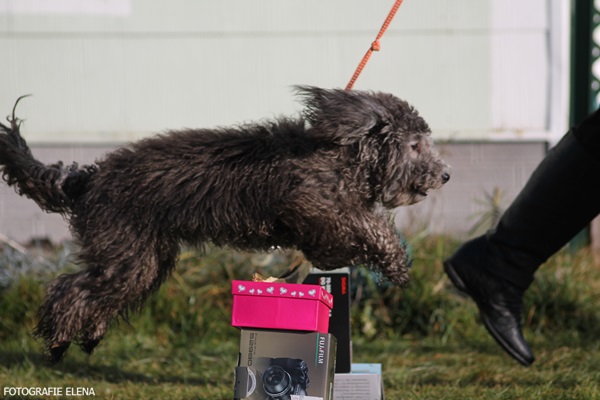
<point x="108" y="373"/>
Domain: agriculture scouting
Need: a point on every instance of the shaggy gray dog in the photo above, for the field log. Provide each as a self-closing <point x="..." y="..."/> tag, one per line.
<point x="312" y="183"/>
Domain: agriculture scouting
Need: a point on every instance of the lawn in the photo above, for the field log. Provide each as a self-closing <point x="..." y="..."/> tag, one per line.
<point x="427" y="338"/>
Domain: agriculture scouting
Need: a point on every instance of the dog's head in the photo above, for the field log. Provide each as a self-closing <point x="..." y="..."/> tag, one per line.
<point x="393" y="142"/>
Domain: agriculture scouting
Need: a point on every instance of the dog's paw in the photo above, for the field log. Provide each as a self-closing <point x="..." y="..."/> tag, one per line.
<point x="399" y="279"/>
<point x="57" y="351"/>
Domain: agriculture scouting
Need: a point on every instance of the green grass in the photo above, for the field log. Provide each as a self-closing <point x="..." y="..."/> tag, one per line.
<point x="427" y="338"/>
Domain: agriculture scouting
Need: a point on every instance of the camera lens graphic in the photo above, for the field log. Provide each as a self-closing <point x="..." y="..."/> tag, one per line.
<point x="277" y="383"/>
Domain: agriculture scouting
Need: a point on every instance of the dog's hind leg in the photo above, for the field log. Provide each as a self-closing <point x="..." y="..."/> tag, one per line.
<point x="79" y="307"/>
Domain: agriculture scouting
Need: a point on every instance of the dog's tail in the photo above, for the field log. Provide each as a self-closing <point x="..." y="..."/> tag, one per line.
<point x="53" y="187"/>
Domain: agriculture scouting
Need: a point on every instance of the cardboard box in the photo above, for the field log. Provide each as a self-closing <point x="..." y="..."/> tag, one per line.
<point x="277" y="365"/>
<point x="337" y="283"/>
<point x="282" y="306"/>
<point x="363" y="383"/>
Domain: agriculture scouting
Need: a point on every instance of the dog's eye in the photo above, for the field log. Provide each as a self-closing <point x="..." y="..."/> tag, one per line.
<point x="416" y="147"/>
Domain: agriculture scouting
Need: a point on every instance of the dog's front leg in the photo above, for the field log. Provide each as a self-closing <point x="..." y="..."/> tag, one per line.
<point x="384" y="250"/>
<point x="354" y="239"/>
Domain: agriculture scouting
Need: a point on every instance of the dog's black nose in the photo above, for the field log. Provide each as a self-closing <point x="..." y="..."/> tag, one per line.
<point x="445" y="177"/>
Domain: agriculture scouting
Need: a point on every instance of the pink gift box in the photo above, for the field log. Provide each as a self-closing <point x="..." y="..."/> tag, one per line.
<point x="285" y="306"/>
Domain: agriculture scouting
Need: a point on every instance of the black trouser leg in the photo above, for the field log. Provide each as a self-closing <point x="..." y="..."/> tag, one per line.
<point x="561" y="197"/>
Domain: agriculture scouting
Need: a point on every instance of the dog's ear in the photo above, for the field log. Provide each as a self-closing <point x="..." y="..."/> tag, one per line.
<point x="392" y="186"/>
<point x="388" y="169"/>
<point x="340" y="116"/>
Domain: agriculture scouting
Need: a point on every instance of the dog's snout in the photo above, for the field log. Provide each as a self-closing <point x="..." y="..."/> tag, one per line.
<point x="445" y="177"/>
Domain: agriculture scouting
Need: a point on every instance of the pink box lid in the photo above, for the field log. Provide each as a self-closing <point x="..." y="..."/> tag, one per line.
<point x="290" y="290"/>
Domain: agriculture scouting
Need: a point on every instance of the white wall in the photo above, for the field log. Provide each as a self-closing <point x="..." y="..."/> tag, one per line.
<point x="120" y="69"/>
<point x="108" y="71"/>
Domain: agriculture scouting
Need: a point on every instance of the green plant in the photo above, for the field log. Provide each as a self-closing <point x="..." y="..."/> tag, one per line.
<point x="428" y="339"/>
<point x="492" y="211"/>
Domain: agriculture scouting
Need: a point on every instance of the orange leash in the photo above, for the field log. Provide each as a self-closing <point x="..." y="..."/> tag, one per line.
<point x="375" y="46"/>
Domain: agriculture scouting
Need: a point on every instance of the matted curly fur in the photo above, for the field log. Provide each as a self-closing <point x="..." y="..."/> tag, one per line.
<point x="312" y="183"/>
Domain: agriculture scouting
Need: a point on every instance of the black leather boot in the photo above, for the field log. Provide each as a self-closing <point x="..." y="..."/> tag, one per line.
<point x="561" y="197"/>
<point x="499" y="302"/>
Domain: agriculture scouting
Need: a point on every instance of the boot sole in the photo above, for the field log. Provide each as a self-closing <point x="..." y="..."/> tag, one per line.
<point x="460" y="285"/>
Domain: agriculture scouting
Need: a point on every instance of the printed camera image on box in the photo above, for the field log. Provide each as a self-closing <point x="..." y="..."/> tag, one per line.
<point x="284" y="306"/>
<point x="337" y="282"/>
<point x="280" y="365"/>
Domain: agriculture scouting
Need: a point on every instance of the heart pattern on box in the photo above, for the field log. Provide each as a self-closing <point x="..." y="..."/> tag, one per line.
<point x="288" y="290"/>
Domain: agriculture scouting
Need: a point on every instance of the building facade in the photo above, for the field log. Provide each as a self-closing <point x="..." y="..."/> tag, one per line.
<point x="491" y="77"/>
